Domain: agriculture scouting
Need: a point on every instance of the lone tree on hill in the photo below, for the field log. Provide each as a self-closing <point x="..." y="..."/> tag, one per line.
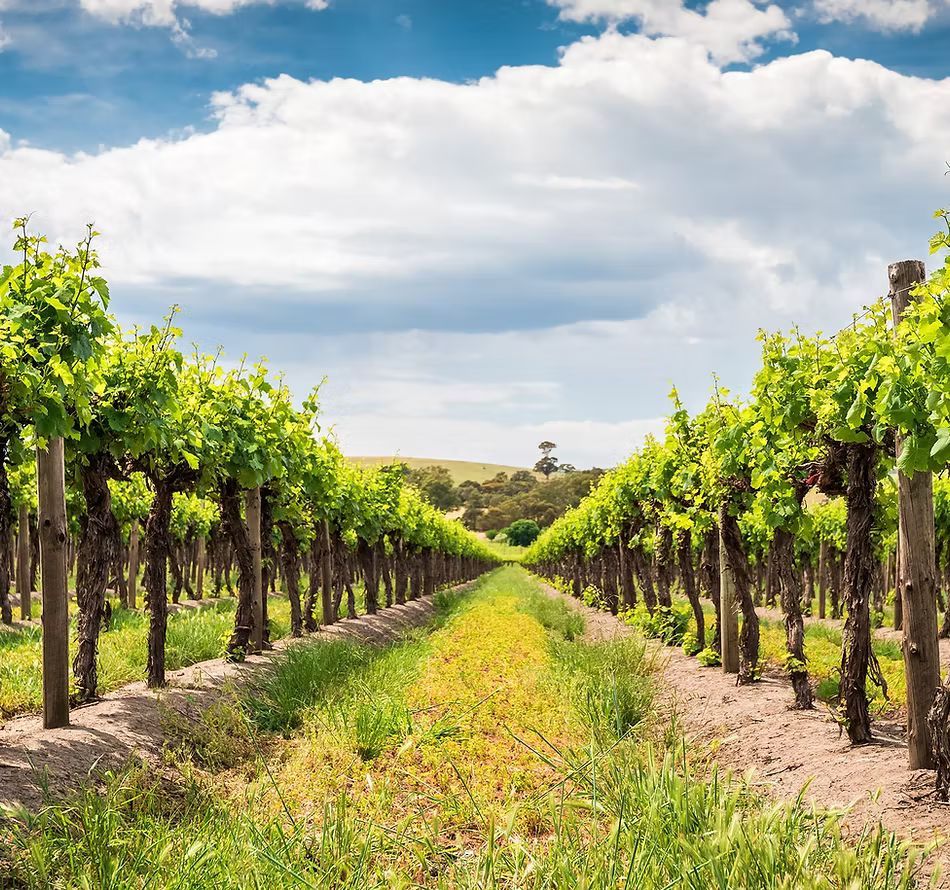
<point x="548" y="462"/>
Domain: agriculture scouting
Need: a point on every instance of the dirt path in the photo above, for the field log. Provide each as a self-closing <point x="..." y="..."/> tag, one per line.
<point x="131" y="720"/>
<point x="755" y="728"/>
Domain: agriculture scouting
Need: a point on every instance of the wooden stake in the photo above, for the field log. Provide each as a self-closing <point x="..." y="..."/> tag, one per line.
<point x="254" y="533"/>
<point x="729" y="614"/>
<point x="23" y="564"/>
<point x="51" y="484"/>
<point x="917" y="581"/>
<point x="133" y="561"/>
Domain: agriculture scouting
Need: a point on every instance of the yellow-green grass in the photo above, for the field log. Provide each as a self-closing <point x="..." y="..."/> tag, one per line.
<point x="460" y="470"/>
<point x="468" y="693"/>
<point x="194" y="635"/>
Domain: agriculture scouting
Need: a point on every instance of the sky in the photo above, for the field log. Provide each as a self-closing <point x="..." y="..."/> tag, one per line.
<point x="483" y="223"/>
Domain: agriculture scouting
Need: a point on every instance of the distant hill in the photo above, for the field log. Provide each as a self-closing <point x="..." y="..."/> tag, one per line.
<point x="461" y="470"/>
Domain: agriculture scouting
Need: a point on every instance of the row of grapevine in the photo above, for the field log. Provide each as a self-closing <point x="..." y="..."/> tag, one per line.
<point x="171" y="460"/>
<point x="832" y="453"/>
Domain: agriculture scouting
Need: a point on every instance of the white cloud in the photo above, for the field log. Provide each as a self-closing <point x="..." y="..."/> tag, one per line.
<point x="4" y="38"/>
<point x="635" y="182"/>
<point x="167" y="14"/>
<point x="731" y="30"/>
<point x="157" y="13"/>
<point x="576" y="183"/>
<point x="882" y="15"/>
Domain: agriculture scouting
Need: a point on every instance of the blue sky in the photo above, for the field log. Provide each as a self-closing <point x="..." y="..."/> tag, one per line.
<point x="517" y="219"/>
<point x="74" y="81"/>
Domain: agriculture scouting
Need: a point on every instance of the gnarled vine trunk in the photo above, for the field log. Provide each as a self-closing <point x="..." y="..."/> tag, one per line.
<point x="641" y="566"/>
<point x="790" y="591"/>
<point x="98" y="549"/>
<point x="157" y="548"/>
<point x="857" y="659"/>
<point x="401" y="573"/>
<point x="710" y="578"/>
<point x="268" y="555"/>
<point x="689" y="585"/>
<point x="290" y="557"/>
<point x="366" y="554"/>
<point x="236" y="529"/>
<point x="6" y="524"/>
<point x="663" y="558"/>
<point x="628" y="589"/>
<point x="382" y="564"/>
<point x="739" y="564"/>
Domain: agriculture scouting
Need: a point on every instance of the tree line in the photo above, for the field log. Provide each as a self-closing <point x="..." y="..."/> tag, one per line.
<point x="498" y="502"/>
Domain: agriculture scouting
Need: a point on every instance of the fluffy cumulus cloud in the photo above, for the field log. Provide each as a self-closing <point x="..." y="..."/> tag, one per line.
<point x="732" y="30"/>
<point x="549" y="245"/>
<point x="883" y="15"/>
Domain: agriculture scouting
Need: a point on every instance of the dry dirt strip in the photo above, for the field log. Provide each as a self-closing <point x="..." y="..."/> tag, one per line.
<point x="755" y="730"/>
<point x="131" y="721"/>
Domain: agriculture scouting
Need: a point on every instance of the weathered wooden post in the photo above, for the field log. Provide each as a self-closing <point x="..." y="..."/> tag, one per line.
<point x="728" y="612"/>
<point x="133" y="562"/>
<point x="917" y="579"/>
<point x="253" y="505"/>
<point x="23" y="584"/>
<point x="51" y="485"/>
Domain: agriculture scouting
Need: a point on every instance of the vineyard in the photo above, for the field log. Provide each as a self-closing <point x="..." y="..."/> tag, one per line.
<point x="377" y="698"/>
<point x="817" y="493"/>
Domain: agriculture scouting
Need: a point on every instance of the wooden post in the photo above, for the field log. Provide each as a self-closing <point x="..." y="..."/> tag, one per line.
<point x="326" y="576"/>
<point x="822" y="578"/>
<point x="254" y="533"/>
<point x="200" y="572"/>
<point x="133" y="561"/>
<point x="23" y="585"/>
<point x="728" y="612"/>
<point x="51" y="484"/>
<point x="917" y="581"/>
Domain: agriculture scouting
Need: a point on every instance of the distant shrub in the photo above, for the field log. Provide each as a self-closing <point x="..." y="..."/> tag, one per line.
<point x="522" y="532"/>
<point x="491" y="534"/>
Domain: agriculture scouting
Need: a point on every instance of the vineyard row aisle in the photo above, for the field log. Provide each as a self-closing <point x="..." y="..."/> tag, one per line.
<point x="756" y="729"/>
<point x="132" y="720"/>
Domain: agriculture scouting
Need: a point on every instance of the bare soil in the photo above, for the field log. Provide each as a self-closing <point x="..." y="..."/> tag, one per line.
<point x="755" y="730"/>
<point x="131" y="722"/>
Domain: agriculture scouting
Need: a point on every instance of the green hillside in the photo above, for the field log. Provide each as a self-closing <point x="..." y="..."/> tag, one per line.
<point x="461" y="470"/>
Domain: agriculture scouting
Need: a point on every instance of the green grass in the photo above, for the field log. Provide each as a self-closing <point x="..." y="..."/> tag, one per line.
<point x="553" y="614"/>
<point x="194" y="635"/>
<point x="507" y="552"/>
<point x="493" y="752"/>
<point x="609" y="683"/>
